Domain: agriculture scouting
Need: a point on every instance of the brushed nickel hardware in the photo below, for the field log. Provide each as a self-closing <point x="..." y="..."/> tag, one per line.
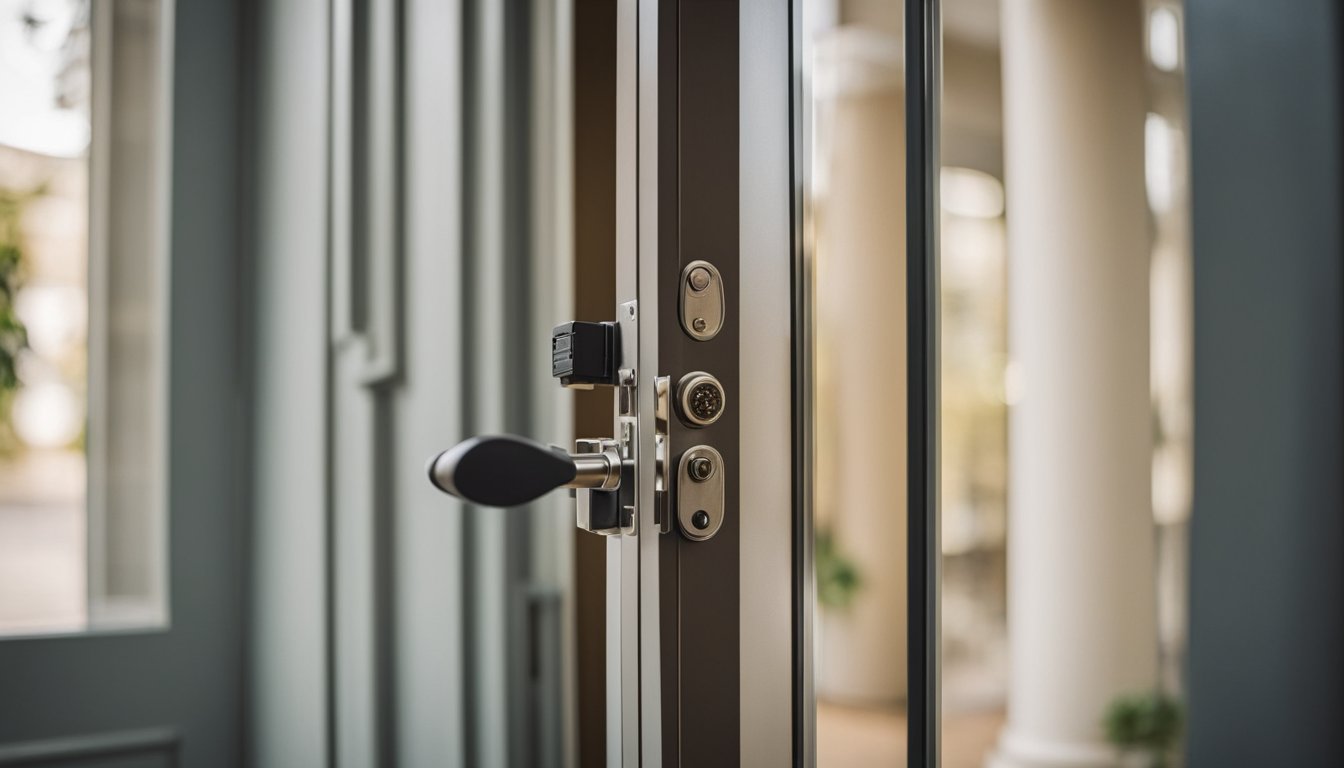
<point x="700" y="399"/>
<point x="702" y="300"/>
<point x="700" y="492"/>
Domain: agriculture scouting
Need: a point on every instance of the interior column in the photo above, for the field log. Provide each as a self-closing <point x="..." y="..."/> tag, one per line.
<point x="860" y="364"/>
<point x="1081" y="595"/>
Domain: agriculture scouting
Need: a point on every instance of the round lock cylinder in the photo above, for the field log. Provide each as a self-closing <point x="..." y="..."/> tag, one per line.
<point x="700" y="468"/>
<point x="700" y="399"/>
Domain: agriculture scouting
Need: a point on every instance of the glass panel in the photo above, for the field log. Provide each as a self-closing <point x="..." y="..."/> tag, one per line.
<point x="1066" y="359"/>
<point x="81" y="325"/>
<point x="856" y="228"/>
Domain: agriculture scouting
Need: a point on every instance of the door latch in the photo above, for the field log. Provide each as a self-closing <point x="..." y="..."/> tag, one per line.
<point x="506" y="471"/>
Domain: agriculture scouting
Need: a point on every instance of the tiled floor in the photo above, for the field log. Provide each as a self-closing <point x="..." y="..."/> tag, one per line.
<point x="849" y="737"/>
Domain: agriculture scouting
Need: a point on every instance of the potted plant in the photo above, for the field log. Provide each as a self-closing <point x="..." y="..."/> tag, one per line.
<point x="837" y="575"/>
<point x="1145" y="727"/>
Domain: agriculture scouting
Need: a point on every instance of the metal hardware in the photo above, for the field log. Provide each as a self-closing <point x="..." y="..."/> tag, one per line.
<point x="597" y="464"/>
<point x="700" y="399"/>
<point x="699" y="279"/>
<point x="702" y="300"/>
<point x="700" y="468"/>
<point x="700" y="492"/>
<point x="627" y="407"/>
<point x="600" y="508"/>
<point x="662" y="448"/>
<point x="505" y="471"/>
<point x="585" y="355"/>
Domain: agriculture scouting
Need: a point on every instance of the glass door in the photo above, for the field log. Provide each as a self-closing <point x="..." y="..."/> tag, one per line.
<point x="1066" y="383"/>
<point x="867" y="354"/>
<point x="1001" y="366"/>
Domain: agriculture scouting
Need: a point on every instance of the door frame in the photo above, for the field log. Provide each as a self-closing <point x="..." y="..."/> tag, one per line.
<point x="654" y="99"/>
<point x="693" y="183"/>
<point x="923" y="93"/>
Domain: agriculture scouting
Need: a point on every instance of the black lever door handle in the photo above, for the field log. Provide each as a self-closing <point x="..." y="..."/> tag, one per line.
<point x="500" y="470"/>
<point x="505" y="470"/>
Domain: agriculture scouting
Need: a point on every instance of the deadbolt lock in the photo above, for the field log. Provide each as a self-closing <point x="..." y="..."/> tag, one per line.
<point x="700" y="492"/>
<point x="700" y="399"/>
<point x="700" y="468"/>
<point x="702" y="300"/>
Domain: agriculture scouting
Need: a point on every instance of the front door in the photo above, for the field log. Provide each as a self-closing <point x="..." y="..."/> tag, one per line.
<point x="701" y="486"/>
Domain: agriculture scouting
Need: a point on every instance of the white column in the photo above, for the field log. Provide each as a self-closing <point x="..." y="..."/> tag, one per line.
<point x="1081" y="595"/>
<point x="860" y="352"/>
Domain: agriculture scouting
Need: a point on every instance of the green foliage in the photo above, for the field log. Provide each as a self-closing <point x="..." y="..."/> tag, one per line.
<point x="1145" y="722"/>
<point x="837" y="576"/>
<point x="13" y="336"/>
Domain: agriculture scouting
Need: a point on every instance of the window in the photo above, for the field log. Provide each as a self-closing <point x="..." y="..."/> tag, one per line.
<point x="82" y="314"/>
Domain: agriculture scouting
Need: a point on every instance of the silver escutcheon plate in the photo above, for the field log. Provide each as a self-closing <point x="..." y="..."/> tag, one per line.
<point x="702" y="303"/>
<point x="700" y="476"/>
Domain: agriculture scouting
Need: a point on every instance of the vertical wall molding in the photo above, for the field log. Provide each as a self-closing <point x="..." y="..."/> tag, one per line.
<point x="427" y="571"/>
<point x="289" y="654"/>
<point x="365" y="263"/>
<point x="514" y="212"/>
<point x="551" y="606"/>
<point x="404" y="299"/>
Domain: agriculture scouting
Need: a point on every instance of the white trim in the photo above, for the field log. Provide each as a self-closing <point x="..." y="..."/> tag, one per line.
<point x="153" y="610"/>
<point x="766" y="500"/>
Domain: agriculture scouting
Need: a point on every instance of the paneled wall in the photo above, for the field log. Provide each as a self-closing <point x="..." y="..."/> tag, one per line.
<point x="410" y="260"/>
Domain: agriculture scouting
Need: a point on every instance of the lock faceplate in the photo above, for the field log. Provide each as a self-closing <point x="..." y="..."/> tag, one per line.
<point x="700" y="476"/>
<point x="702" y="302"/>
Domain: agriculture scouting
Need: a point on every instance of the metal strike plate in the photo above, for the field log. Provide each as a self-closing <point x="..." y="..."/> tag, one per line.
<point x="662" y="449"/>
<point x="702" y="303"/>
<point x="627" y="410"/>
<point x="700" y="492"/>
